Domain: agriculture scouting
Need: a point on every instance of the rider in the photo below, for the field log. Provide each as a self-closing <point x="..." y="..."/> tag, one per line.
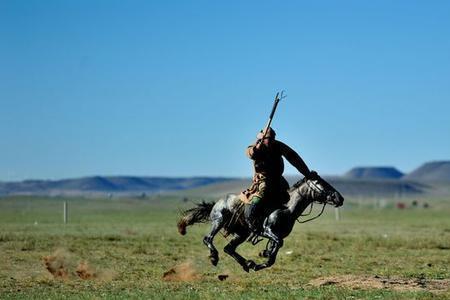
<point x="269" y="189"/>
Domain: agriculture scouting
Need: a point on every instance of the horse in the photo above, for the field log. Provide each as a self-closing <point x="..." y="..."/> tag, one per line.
<point x="227" y="214"/>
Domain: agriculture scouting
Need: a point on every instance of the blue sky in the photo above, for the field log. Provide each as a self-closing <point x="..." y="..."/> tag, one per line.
<point x="180" y="88"/>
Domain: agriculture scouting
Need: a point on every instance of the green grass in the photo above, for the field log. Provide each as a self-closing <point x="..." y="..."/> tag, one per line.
<point x="131" y="243"/>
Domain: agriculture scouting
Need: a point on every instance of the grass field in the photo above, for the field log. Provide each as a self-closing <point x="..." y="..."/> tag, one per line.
<point x="122" y="248"/>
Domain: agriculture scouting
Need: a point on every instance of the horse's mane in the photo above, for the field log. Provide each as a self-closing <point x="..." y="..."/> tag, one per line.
<point x="297" y="184"/>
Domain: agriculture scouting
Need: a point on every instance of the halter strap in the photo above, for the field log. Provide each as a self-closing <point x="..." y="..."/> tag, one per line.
<point x="314" y="187"/>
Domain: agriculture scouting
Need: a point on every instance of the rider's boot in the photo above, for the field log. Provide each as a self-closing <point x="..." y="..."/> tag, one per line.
<point x="252" y="217"/>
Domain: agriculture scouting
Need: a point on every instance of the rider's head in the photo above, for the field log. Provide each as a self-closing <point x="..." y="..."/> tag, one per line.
<point x="268" y="138"/>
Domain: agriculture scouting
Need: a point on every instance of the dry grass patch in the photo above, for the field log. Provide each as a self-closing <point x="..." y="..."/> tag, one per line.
<point x="377" y="282"/>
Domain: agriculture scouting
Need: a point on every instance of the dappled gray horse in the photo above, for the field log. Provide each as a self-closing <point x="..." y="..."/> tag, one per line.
<point x="227" y="214"/>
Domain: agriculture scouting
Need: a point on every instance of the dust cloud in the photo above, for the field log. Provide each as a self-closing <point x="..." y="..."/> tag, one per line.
<point x="182" y="272"/>
<point x="63" y="265"/>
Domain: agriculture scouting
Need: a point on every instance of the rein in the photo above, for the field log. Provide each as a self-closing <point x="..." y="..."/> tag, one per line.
<point x="310" y="210"/>
<point x="313" y="218"/>
<point x="311" y="207"/>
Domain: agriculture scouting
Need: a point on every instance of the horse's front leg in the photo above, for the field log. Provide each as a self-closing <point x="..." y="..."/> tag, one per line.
<point x="271" y="260"/>
<point x="273" y="245"/>
<point x="230" y="249"/>
<point x="266" y="252"/>
<point x="217" y="224"/>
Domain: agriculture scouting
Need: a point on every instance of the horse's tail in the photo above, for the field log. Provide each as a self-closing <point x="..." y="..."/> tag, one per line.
<point x="198" y="214"/>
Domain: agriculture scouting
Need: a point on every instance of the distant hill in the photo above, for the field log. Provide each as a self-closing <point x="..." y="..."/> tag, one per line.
<point x="378" y="187"/>
<point x="374" y="173"/>
<point x="346" y="186"/>
<point x="98" y="185"/>
<point x="432" y="177"/>
<point x="436" y="171"/>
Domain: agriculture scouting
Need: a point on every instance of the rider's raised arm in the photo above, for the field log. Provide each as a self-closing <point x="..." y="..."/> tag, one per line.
<point x="253" y="152"/>
<point x="294" y="159"/>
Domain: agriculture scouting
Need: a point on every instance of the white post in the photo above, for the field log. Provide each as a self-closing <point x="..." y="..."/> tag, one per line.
<point x="336" y="213"/>
<point x="65" y="212"/>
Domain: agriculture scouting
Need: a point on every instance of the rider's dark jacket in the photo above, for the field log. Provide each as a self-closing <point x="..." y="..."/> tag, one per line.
<point x="268" y="181"/>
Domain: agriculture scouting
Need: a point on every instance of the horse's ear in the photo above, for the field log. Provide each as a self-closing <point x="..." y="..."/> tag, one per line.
<point x="313" y="175"/>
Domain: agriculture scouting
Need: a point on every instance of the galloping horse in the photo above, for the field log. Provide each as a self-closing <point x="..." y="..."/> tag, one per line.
<point x="227" y="214"/>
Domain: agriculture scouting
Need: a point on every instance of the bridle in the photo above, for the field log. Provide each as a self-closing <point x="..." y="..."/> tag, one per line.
<point x="312" y="185"/>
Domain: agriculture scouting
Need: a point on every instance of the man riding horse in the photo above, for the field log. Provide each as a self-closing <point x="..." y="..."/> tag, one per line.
<point x="267" y="198"/>
<point x="269" y="189"/>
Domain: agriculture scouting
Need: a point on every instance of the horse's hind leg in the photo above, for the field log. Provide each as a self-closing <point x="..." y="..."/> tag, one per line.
<point x="217" y="224"/>
<point x="230" y="249"/>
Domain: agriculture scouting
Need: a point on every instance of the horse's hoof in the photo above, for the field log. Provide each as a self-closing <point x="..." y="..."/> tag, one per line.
<point x="214" y="259"/>
<point x="250" y="264"/>
<point x="264" y="253"/>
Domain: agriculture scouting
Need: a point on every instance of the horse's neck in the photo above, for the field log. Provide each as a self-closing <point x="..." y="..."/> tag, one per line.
<point x="298" y="203"/>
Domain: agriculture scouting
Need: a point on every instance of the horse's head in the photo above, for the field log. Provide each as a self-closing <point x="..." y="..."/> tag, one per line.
<point x="319" y="190"/>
